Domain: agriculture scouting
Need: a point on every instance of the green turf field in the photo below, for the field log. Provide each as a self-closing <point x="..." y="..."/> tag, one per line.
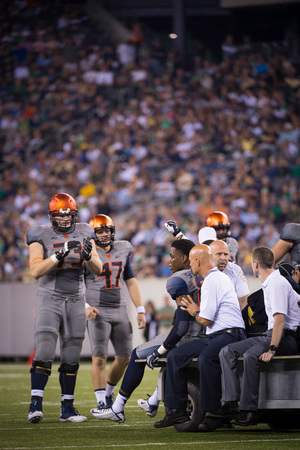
<point x="137" y="431"/>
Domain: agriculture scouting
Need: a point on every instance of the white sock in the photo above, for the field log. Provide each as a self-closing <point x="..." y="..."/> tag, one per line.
<point x="153" y="400"/>
<point x="119" y="403"/>
<point x="100" y="395"/>
<point x="109" y="389"/>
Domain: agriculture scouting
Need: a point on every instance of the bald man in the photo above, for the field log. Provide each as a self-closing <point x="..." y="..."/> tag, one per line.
<point x="221" y="257"/>
<point x="220" y="314"/>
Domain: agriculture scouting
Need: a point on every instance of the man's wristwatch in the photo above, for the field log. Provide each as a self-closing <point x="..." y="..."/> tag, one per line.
<point x="195" y="313"/>
<point x="273" y="348"/>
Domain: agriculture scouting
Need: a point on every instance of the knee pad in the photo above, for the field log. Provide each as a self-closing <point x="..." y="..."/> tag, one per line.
<point x="68" y="368"/>
<point x="43" y="367"/>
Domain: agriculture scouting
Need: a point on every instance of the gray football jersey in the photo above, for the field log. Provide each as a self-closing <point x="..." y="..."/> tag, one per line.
<point x="182" y="283"/>
<point x="291" y="232"/>
<point x="67" y="278"/>
<point x="233" y="248"/>
<point x="108" y="289"/>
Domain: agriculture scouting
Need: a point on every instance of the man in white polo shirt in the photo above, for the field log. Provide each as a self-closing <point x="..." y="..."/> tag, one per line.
<point x="281" y="338"/>
<point x="220" y="314"/>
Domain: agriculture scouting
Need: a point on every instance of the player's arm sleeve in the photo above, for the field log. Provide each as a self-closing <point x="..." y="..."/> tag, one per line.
<point x="31" y="236"/>
<point x="289" y="232"/>
<point x="128" y="272"/>
<point x="177" y="287"/>
<point x="179" y="329"/>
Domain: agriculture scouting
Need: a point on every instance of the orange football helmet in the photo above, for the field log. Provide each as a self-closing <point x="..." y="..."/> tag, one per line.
<point x="98" y="223"/>
<point x="220" y="222"/>
<point x="61" y="205"/>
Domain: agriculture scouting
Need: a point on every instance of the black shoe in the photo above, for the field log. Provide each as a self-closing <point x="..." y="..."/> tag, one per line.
<point x="228" y="410"/>
<point x="210" y="423"/>
<point x="245" y="418"/>
<point x="172" y="417"/>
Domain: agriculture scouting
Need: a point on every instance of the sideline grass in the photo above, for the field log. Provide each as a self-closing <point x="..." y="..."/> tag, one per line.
<point x="137" y="432"/>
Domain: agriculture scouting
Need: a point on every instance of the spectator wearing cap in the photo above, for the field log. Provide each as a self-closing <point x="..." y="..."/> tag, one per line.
<point x="291" y="273"/>
<point x="207" y="235"/>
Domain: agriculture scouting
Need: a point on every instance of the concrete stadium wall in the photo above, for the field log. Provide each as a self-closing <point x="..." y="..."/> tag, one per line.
<point x="17" y="302"/>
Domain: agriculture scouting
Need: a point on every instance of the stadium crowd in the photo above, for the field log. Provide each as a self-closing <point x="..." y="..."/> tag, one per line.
<point x="131" y="132"/>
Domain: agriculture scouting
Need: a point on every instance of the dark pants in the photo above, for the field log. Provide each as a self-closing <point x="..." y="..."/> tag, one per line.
<point x="206" y="350"/>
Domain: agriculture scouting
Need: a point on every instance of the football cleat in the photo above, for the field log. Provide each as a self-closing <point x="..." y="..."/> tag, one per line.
<point x="150" y="410"/>
<point x="100" y="406"/>
<point x="35" y="412"/>
<point x="69" y="414"/>
<point x="109" y="414"/>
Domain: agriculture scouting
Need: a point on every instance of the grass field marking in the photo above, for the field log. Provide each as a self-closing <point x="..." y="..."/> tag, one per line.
<point x="247" y="441"/>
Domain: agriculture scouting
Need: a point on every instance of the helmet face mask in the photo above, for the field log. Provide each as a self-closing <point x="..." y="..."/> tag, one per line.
<point x="62" y="212"/>
<point x="220" y="222"/>
<point x="102" y="223"/>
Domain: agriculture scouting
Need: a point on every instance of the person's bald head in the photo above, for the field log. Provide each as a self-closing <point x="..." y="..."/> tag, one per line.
<point x="201" y="260"/>
<point x="220" y="254"/>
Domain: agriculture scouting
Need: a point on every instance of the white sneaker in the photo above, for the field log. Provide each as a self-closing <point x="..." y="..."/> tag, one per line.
<point x="109" y="414"/>
<point x="100" y="406"/>
<point x="151" y="410"/>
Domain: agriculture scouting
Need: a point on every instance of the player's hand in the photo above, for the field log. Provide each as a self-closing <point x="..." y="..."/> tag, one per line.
<point x="151" y="359"/>
<point x="91" y="312"/>
<point x="87" y="249"/>
<point x="65" y="249"/>
<point x="141" y="320"/>
<point x="172" y="227"/>
<point x="267" y="356"/>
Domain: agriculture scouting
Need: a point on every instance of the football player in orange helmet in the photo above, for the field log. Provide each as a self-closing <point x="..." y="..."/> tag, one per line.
<point x="220" y="222"/>
<point x="62" y="212"/>
<point x="58" y="255"/>
<point x="106" y="308"/>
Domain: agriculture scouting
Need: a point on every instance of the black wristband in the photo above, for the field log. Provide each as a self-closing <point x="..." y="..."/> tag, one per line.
<point x="273" y="348"/>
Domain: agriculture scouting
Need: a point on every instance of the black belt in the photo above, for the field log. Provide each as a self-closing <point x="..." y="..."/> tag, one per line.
<point x="234" y="331"/>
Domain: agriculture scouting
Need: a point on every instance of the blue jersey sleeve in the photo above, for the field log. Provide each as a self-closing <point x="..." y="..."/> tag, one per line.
<point x="176" y="286"/>
<point x="128" y="272"/>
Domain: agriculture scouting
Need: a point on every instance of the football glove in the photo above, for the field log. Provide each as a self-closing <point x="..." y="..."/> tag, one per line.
<point x="64" y="250"/>
<point x="172" y="227"/>
<point x="87" y="249"/>
<point x="151" y="359"/>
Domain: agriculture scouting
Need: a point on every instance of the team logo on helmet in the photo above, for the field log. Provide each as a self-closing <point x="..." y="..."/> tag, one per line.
<point x="102" y="222"/>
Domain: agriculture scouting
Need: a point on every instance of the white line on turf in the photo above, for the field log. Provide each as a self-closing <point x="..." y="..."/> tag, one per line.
<point x="248" y="441"/>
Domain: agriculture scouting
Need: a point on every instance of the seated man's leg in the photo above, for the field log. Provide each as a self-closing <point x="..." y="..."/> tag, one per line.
<point x="251" y="373"/>
<point x="176" y="382"/>
<point x="210" y="372"/>
<point x="176" y="375"/>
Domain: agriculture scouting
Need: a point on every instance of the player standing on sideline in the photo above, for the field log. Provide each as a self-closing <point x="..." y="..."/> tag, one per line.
<point x="106" y="309"/>
<point x="57" y="255"/>
<point x="220" y="222"/>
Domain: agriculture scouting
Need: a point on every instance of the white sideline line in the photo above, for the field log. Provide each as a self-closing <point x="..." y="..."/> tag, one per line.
<point x="246" y="441"/>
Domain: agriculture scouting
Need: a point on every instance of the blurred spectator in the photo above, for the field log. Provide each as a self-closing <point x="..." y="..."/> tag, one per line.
<point x="147" y="140"/>
<point x="165" y="316"/>
<point x="151" y="329"/>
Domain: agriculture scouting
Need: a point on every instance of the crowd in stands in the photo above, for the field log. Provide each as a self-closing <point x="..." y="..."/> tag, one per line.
<point x="130" y="131"/>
